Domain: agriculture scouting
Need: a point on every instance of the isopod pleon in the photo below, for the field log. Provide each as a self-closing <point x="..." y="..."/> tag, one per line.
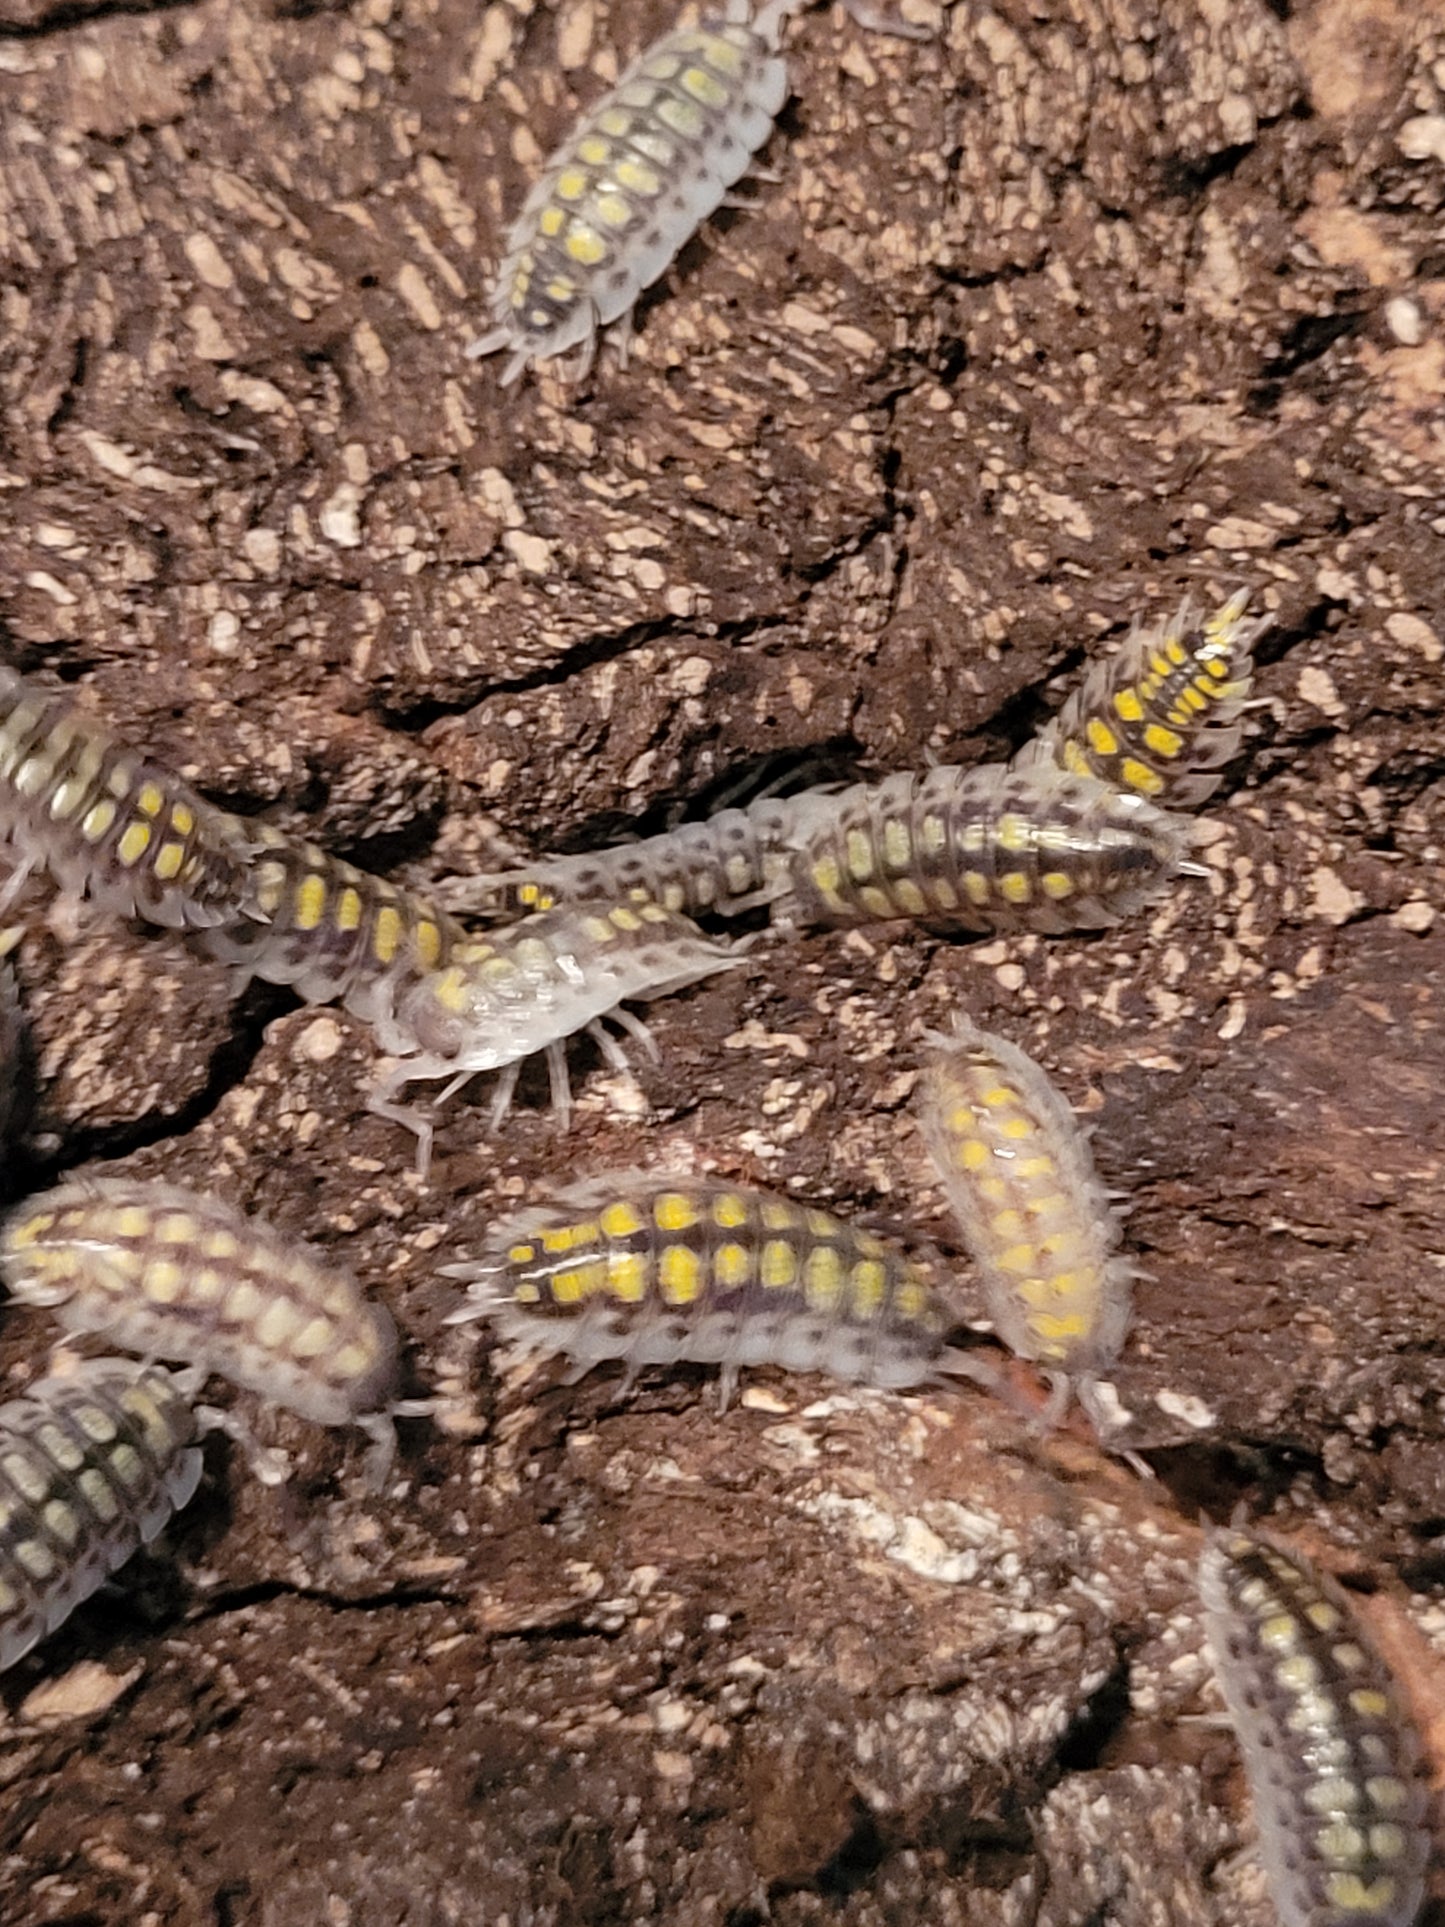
<point x="1020" y="1179"/>
<point x="107" y="823"/>
<point x="1328" y="1749"/>
<point x="174" y="1274"/>
<point x="657" y="1270"/>
<point x="93" y="1462"/>
<point x="527" y="987"/>
<point x="635" y="179"/>
<point x="979" y="849"/>
<point x="1160" y="716"/>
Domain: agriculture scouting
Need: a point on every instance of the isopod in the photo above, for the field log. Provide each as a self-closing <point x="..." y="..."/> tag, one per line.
<point x="93" y="1462"/>
<point x="109" y="824"/>
<point x="174" y="1274"/>
<point x="1020" y="1179"/>
<point x="1328" y="1748"/>
<point x="656" y="1270"/>
<point x="637" y="176"/>
<point x="979" y="849"/>
<point x="1160" y="716"/>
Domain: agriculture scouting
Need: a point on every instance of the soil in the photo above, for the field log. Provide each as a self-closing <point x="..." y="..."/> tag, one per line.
<point x="1062" y="312"/>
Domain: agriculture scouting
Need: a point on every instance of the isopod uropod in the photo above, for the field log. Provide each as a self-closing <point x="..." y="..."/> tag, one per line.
<point x="655" y="1270"/>
<point x="173" y="1274"/>
<point x="1328" y="1748"/>
<point x="639" y="173"/>
<point x="93" y="1462"/>
<point x="1020" y="1179"/>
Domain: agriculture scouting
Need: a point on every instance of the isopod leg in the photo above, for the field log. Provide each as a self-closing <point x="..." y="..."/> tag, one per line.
<point x="561" y="1083"/>
<point x="636" y="1028"/>
<point x="506" y="1091"/>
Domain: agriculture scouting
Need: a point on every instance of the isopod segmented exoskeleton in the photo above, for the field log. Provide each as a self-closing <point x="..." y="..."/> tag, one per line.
<point x="174" y="1274"/>
<point x="1020" y="1179"/>
<point x="1162" y="714"/>
<point x="109" y="824"/>
<point x="1329" y="1750"/>
<point x="93" y="1462"/>
<point x="979" y="849"/>
<point x="656" y="1270"/>
<point x="724" y="865"/>
<point x="637" y="176"/>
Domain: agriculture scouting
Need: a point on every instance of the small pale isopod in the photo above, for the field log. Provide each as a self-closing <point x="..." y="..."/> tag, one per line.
<point x="93" y="1462"/>
<point x="979" y="849"/>
<point x="107" y="823"/>
<point x="173" y="1274"/>
<point x="1020" y="1179"/>
<point x="1328" y="1749"/>
<point x="528" y="987"/>
<point x="637" y="176"/>
<point x="1160" y="716"/>
<point x="724" y="865"/>
<point x="656" y="1270"/>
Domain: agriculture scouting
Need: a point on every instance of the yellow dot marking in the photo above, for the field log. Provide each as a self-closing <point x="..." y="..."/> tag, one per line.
<point x="387" y="935"/>
<point x="779" y="1268"/>
<point x="638" y="178"/>
<point x="1387" y="1794"/>
<point x="593" y="150"/>
<point x="349" y="908"/>
<point x="823" y="1277"/>
<point x="277" y="1323"/>
<point x="1128" y="707"/>
<point x="1014" y="887"/>
<point x="576" y="1282"/>
<point x="1055" y="1328"/>
<point x="1163" y="742"/>
<point x="36" y="1557"/>
<point x="1370" y="1703"/>
<point x="132" y="1222"/>
<point x="244" y="1304"/>
<point x="868" y="1284"/>
<point x="559" y="288"/>
<point x="1013" y="832"/>
<point x="682" y="116"/>
<point x="1349" y="1657"/>
<point x="621" y="1220"/>
<point x="162" y="1282"/>
<point x="175" y="1229"/>
<point x="876" y="902"/>
<point x="96" y="1490"/>
<point x="827" y="877"/>
<point x="1102" y="739"/>
<point x="1351" y="1894"/>
<point x="674" y="1211"/>
<point x="586" y="247"/>
<point x="183" y="818"/>
<point x="133" y="845"/>
<point x="627" y="1277"/>
<point x="729" y="1211"/>
<point x="1387" y="1842"/>
<point x="150" y="800"/>
<point x="426" y="940"/>
<point x="897" y="844"/>
<point x="1279" y="1633"/>
<point x="567" y="1237"/>
<point x="68" y="796"/>
<point x="973" y="1153"/>
<point x="721" y="54"/>
<point x="909" y="898"/>
<point x="626" y="919"/>
<point x="680" y="1275"/>
<point x="521" y="1254"/>
<point x="169" y="861"/>
<point x="703" y="86"/>
<point x="315" y="1337"/>
<point x="599" y="929"/>
<point x="732" y="1266"/>
<point x="975" y="886"/>
<point x="1056" y="885"/>
<point x="208" y="1286"/>
<point x="859" y="851"/>
<point x="219" y="1244"/>
<point x="612" y="210"/>
<point x="1139" y="776"/>
<point x="310" y="902"/>
<point x="572" y="184"/>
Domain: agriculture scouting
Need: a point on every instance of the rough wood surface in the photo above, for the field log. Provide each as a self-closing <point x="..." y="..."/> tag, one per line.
<point x="1071" y="308"/>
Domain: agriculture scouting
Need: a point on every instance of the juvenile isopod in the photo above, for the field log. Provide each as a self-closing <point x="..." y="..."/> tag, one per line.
<point x="1020" y="1179"/>
<point x="637" y="176"/>
<point x="174" y="1274"/>
<point x="979" y="849"/>
<point x="1330" y="1753"/>
<point x="1162" y="714"/>
<point x="657" y="1270"/>
<point x="93" y="1462"/>
<point x="109" y="824"/>
<point x="525" y="989"/>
